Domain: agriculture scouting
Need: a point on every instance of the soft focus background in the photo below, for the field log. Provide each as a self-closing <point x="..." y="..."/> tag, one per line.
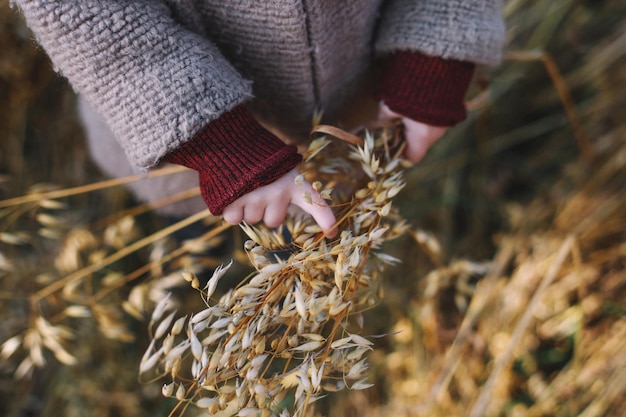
<point x="511" y="296"/>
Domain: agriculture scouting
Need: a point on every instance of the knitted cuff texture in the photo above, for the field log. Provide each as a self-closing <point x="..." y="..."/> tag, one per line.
<point x="427" y="89"/>
<point x="234" y="155"/>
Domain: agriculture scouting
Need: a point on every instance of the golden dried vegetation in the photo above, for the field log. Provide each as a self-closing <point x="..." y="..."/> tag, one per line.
<point x="488" y="280"/>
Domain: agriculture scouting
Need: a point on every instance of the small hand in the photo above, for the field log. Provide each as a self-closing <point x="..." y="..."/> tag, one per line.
<point x="419" y="136"/>
<point x="270" y="202"/>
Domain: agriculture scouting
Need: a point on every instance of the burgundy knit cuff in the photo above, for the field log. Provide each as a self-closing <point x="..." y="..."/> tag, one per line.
<point x="426" y="89"/>
<point x="234" y="155"/>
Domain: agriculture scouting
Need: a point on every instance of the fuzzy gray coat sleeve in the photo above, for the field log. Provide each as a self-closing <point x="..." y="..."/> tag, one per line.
<point x="471" y="31"/>
<point x="154" y="82"/>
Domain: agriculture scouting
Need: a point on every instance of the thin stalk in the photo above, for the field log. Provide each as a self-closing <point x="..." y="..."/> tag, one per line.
<point x="57" y="285"/>
<point x="66" y="192"/>
<point x="582" y="139"/>
<point x="454" y="355"/>
<point x="482" y="402"/>
<point x="147" y="267"/>
<point x="143" y="208"/>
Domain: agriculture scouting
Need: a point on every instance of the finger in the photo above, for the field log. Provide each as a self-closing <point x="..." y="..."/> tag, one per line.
<point x="419" y="138"/>
<point x="415" y="151"/>
<point x="385" y="113"/>
<point x="321" y="213"/>
<point x="275" y="213"/>
<point x="233" y="214"/>
<point x="253" y="212"/>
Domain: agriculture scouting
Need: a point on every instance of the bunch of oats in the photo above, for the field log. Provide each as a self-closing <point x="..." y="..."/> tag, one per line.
<point x="289" y="333"/>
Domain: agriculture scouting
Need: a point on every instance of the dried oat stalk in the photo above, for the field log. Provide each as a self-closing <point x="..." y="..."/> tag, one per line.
<point x="288" y="334"/>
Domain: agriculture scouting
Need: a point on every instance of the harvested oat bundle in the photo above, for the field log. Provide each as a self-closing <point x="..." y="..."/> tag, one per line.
<point x="288" y="333"/>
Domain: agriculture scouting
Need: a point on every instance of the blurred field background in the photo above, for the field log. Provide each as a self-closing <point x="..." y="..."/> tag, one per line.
<point x="511" y="296"/>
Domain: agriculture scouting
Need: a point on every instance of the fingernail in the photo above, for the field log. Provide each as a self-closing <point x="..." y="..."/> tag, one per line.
<point x="332" y="232"/>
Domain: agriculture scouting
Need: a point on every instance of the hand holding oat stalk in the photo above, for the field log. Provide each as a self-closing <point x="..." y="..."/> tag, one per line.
<point x="288" y="333"/>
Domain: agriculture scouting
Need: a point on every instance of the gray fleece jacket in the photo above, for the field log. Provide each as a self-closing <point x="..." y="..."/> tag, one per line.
<point x="160" y="70"/>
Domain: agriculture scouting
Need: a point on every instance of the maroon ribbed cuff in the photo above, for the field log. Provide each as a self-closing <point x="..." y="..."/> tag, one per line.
<point x="426" y="89"/>
<point x="234" y="155"/>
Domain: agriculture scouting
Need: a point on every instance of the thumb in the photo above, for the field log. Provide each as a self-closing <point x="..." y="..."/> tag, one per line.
<point x="419" y="138"/>
<point x="319" y="210"/>
<point x="385" y="113"/>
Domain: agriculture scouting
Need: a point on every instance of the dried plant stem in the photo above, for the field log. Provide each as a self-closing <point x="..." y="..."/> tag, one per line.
<point x="616" y="389"/>
<point x="498" y="144"/>
<point x="66" y="192"/>
<point x="615" y="384"/>
<point x="146" y="207"/>
<point x="338" y="133"/>
<point x="148" y="266"/>
<point x="582" y="139"/>
<point x="58" y="285"/>
<point x="184" y="403"/>
<point x="10" y="216"/>
<point x="482" y="401"/>
<point x="453" y="355"/>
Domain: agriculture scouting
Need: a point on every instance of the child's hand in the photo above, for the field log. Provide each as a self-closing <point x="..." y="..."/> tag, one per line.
<point x="419" y="136"/>
<point x="270" y="202"/>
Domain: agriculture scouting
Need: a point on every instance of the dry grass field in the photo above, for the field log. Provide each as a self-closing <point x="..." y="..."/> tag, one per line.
<point x="492" y="284"/>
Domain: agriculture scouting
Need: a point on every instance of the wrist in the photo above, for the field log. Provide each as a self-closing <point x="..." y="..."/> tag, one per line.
<point x="234" y="155"/>
<point x="427" y="89"/>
